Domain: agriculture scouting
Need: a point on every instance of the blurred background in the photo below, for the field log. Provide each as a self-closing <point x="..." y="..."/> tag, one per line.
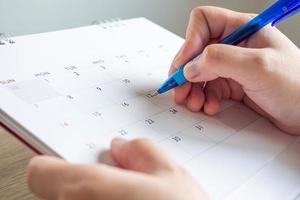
<point x="19" y="17"/>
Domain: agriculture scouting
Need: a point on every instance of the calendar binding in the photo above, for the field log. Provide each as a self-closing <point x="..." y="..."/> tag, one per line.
<point x="6" y="39"/>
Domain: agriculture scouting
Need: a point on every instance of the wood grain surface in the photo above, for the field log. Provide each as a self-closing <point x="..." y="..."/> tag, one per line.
<point x="14" y="157"/>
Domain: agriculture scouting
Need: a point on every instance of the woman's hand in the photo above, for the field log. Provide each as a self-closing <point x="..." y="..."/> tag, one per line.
<point x="263" y="71"/>
<point x="144" y="173"/>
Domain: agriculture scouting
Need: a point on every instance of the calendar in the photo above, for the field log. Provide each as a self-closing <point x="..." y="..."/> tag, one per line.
<point x="69" y="93"/>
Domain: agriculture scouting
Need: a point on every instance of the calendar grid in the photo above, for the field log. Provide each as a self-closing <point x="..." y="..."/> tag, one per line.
<point x="75" y="95"/>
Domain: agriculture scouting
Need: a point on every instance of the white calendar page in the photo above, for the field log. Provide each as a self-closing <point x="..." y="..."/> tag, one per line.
<point x="68" y="93"/>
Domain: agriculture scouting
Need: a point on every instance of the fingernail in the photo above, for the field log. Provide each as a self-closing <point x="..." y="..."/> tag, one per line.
<point x="191" y="71"/>
<point x="118" y="143"/>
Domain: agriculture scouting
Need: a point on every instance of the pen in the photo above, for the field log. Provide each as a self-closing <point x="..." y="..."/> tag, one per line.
<point x="280" y="10"/>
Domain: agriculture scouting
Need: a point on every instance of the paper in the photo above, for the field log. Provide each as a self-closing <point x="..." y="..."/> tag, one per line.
<point x="73" y="91"/>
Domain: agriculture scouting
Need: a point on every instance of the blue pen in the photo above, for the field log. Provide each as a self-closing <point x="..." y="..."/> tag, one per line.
<point x="276" y="13"/>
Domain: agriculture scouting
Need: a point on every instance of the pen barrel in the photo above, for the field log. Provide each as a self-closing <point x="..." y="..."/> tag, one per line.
<point x="275" y="11"/>
<point x="242" y="33"/>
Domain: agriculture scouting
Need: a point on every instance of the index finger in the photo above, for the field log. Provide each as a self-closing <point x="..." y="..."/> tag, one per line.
<point x="207" y="25"/>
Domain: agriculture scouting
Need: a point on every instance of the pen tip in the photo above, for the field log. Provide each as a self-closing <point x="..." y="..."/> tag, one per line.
<point x="154" y="94"/>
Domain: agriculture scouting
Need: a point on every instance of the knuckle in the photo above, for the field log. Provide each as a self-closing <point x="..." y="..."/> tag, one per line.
<point x="139" y="143"/>
<point x="196" y="12"/>
<point x="212" y="53"/>
<point x="242" y="18"/>
<point x="245" y="18"/>
<point x="262" y="61"/>
<point x="200" y="10"/>
<point x="263" y="67"/>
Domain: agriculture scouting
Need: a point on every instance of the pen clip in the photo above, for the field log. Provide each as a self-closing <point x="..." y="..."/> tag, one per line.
<point x="287" y="14"/>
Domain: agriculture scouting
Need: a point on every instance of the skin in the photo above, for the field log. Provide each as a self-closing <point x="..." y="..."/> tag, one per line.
<point x="263" y="72"/>
<point x="144" y="173"/>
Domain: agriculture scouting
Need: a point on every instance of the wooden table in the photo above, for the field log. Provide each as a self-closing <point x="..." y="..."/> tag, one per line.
<point x="14" y="157"/>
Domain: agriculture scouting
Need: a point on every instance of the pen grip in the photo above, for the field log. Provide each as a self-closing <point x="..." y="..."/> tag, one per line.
<point x="179" y="76"/>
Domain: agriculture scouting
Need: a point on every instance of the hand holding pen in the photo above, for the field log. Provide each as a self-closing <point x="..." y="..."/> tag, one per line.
<point x="276" y="13"/>
<point x="263" y="71"/>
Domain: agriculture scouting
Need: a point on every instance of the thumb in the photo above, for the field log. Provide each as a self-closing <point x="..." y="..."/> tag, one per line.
<point x="243" y="65"/>
<point x="140" y="155"/>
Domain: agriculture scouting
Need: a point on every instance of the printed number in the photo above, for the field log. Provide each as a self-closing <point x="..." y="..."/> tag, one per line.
<point x="121" y="56"/>
<point x="98" y="62"/>
<point x="126" y="81"/>
<point x="125" y="104"/>
<point x="149" y="121"/>
<point x="143" y="53"/>
<point x="70" y="68"/>
<point x="123" y="132"/>
<point x="173" y="111"/>
<point x="97" y="114"/>
<point x="160" y="46"/>
<point x="177" y="139"/>
<point x="200" y="128"/>
<point x="91" y="145"/>
<point x="99" y="88"/>
<point x="76" y="73"/>
<point x="65" y="124"/>
<point x="70" y="97"/>
<point x="5" y="82"/>
<point x="41" y="74"/>
<point x="102" y="67"/>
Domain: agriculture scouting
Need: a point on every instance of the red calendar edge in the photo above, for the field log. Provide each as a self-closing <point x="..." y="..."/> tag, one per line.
<point x="20" y="139"/>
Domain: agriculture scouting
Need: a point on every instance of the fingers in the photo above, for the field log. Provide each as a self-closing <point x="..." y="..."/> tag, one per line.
<point x="196" y="98"/>
<point x="182" y="92"/>
<point x="207" y="25"/>
<point x="243" y="65"/>
<point x="197" y="36"/>
<point x="140" y="155"/>
<point x="52" y="178"/>
<point x="214" y="94"/>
